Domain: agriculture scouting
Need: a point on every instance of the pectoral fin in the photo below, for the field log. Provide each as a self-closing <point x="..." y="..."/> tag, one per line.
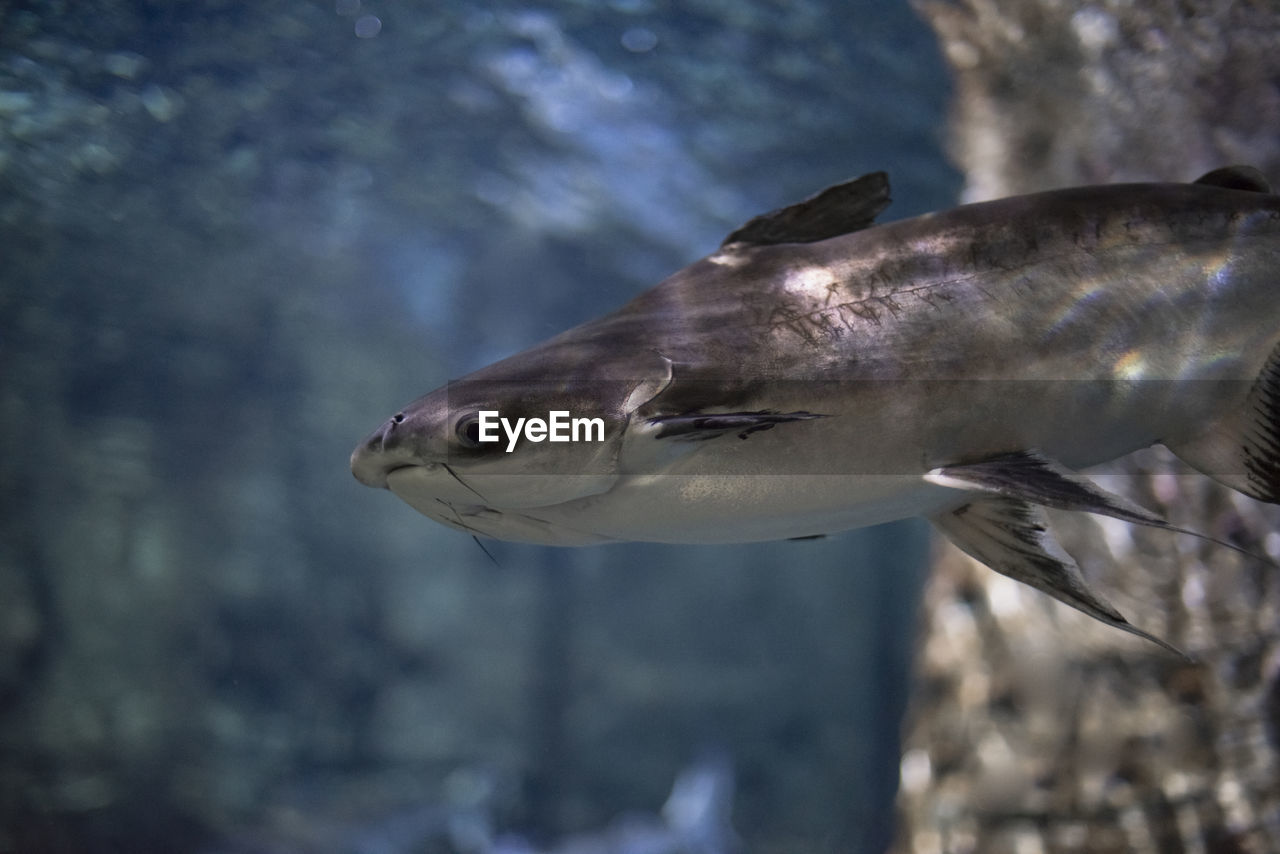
<point x="699" y="426"/>
<point x="1011" y="537"/>
<point x="1031" y="476"/>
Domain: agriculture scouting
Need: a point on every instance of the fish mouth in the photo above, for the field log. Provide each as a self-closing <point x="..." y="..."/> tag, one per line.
<point x="372" y="465"/>
<point x="376" y="470"/>
<point x="388" y="471"/>
<point x="440" y="495"/>
<point x="369" y="469"/>
<point x="380" y="454"/>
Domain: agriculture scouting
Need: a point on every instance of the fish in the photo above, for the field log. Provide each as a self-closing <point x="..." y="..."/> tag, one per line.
<point x="821" y="372"/>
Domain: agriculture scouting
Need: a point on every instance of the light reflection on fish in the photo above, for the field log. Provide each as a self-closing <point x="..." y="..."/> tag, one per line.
<point x="818" y="373"/>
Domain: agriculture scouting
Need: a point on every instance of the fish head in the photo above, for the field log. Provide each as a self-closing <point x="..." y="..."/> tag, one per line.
<point x="490" y="452"/>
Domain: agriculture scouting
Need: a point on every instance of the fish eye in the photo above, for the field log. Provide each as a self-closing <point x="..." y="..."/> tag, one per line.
<point x="468" y="431"/>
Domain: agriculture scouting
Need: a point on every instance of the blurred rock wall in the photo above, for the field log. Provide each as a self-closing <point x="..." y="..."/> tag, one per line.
<point x="1033" y="728"/>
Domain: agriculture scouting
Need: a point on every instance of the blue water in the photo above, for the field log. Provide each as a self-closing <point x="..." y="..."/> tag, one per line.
<point x="234" y="238"/>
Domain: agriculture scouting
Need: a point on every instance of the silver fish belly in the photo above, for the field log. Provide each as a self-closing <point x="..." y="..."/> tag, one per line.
<point x="819" y="373"/>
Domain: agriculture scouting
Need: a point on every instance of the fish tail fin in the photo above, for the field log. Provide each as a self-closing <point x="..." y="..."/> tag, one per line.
<point x="1242" y="449"/>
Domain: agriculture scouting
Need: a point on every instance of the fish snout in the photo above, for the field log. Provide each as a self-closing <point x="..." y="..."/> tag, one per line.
<point x="382" y="452"/>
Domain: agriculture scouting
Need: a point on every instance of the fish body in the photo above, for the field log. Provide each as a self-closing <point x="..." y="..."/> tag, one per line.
<point x="818" y="373"/>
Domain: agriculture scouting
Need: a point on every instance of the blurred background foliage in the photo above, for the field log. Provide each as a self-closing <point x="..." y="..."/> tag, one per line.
<point x="233" y="238"/>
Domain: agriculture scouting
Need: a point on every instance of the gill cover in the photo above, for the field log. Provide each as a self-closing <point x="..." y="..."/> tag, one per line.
<point x="545" y="473"/>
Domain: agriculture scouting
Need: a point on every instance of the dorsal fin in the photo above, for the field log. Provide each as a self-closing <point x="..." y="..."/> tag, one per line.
<point x="1236" y="178"/>
<point x="836" y="210"/>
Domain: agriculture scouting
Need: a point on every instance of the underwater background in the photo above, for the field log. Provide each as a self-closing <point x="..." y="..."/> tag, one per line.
<point x="234" y="237"/>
